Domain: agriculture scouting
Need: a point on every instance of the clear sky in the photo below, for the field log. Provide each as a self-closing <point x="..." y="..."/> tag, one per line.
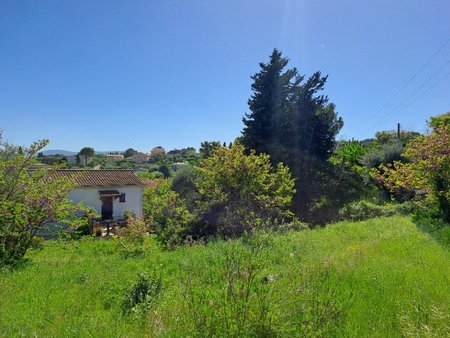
<point x="116" y="74"/>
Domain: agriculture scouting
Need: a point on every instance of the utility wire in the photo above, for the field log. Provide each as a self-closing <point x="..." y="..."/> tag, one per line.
<point x="426" y="91"/>
<point x="370" y="119"/>
<point x="412" y="95"/>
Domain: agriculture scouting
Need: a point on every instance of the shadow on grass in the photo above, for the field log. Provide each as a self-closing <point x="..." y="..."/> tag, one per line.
<point x="435" y="228"/>
<point x="15" y="265"/>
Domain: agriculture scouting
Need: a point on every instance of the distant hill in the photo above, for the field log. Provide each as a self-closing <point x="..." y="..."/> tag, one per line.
<point x="58" y="151"/>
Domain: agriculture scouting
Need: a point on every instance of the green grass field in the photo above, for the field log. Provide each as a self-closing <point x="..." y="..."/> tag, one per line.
<point x="378" y="278"/>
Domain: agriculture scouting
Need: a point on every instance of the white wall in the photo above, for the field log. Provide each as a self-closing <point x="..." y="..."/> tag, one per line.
<point x="91" y="197"/>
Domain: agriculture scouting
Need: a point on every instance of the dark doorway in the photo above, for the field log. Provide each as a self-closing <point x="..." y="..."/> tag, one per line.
<point x="107" y="208"/>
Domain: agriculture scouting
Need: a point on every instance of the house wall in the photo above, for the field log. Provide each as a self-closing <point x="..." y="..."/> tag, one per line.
<point x="138" y="158"/>
<point x="91" y="197"/>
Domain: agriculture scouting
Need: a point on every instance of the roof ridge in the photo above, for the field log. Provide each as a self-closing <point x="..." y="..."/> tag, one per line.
<point x="100" y="177"/>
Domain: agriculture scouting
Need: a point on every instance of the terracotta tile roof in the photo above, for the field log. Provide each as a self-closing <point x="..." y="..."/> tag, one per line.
<point x="100" y="177"/>
<point x="109" y="193"/>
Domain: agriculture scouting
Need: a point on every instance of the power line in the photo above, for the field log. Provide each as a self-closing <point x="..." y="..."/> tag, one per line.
<point x="370" y="119"/>
<point x="427" y="90"/>
<point x="412" y="95"/>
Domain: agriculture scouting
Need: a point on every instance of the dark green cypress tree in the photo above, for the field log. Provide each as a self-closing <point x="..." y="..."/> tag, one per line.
<point x="268" y="104"/>
<point x="291" y="121"/>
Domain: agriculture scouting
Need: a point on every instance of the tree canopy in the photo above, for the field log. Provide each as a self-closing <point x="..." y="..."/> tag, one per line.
<point x="129" y="152"/>
<point x="292" y="122"/>
<point x="85" y="154"/>
<point x="30" y="198"/>
<point x="207" y="148"/>
<point x="428" y="168"/>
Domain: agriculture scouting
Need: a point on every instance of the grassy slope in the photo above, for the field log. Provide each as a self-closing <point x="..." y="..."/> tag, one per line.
<point x="398" y="277"/>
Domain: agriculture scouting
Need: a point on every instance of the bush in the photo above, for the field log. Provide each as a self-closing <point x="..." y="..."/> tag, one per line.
<point x="29" y="200"/>
<point x="167" y="214"/>
<point x="428" y="169"/>
<point x="230" y="194"/>
<point x="143" y="294"/>
<point x="185" y="182"/>
<point x="97" y="230"/>
<point x="131" y="237"/>
<point x="386" y="153"/>
<point x="240" y="192"/>
<point x="362" y="210"/>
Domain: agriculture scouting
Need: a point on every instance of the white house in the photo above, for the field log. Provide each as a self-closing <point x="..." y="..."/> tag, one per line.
<point x="140" y="157"/>
<point x="110" y="192"/>
<point x="115" y="157"/>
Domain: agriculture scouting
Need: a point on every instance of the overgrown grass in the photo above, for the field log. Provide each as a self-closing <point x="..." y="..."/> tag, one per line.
<point x="382" y="277"/>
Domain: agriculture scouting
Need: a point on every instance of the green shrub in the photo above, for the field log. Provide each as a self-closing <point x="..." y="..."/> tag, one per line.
<point x="386" y="153"/>
<point x="167" y="214"/>
<point x="362" y="210"/>
<point x="143" y="294"/>
<point x="294" y="225"/>
<point x="185" y="182"/>
<point x="229" y="195"/>
<point x="30" y="200"/>
<point x="428" y="169"/>
<point x="240" y="193"/>
<point x="131" y="237"/>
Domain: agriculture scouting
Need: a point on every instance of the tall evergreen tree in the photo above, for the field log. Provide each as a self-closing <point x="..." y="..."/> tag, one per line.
<point x="291" y="121"/>
<point x="268" y="104"/>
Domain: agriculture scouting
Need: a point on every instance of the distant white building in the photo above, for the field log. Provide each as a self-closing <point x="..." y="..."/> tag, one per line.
<point x="110" y="192"/>
<point x="140" y="157"/>
<point x="115" y="157"/>
<point x="178" y="165"/>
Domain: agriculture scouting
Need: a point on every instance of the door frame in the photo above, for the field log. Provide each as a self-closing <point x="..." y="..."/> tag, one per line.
<point x="107" y="201"/>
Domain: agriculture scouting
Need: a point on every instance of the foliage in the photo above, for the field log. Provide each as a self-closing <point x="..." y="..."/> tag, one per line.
<point x="428" y="169"/>
<point x="166" y="213"/>
<point x="53" y="160"/>
<point x="242" y="192"/>
<point x="188" y="154"/>
<point x="291" y="122"/>
<point x="231" y="193"/>
<point x="129" y="152"/>
<point x="29" y="200"/>
<point x="150" y="175"/>
<point x="244" y="301"/>
<point x="440" y="121"/>
<point x="131" y="237"/>
<point x="350" y="154"/>
<point x="185" y="182"/>
<point x="397" y="275"/>
<point x="165" y="171"/>
<point x="142" y="294"/>
<point x="269" y="101"/>
<point x="364" y="209"/>
<point x="390" y="136"/>
<point x="85" y="153"/>
<point x="157" y="154"/>
<point x="207" y="148"/>
<point x="330" y="188"/>
<point x="385" y="153"/>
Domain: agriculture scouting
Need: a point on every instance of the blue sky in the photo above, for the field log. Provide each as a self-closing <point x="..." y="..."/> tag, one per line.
<point x="118" y="74"/>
